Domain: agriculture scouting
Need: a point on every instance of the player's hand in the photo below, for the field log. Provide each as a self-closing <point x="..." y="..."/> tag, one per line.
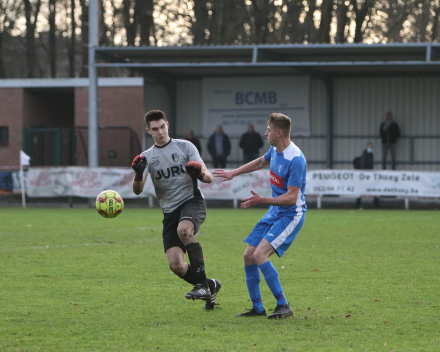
<point x="254" y="199"/>
<point x="224" y="174"/>
<point x="194" y="169"/>
<point x="139" y="164"/>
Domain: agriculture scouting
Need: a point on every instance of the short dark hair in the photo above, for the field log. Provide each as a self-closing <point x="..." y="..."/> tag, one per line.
<point x="154" y="115"/>
<point x="281" y="122"/>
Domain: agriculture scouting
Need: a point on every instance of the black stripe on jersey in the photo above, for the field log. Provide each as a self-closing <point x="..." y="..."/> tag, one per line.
<point x="163" y="146"/>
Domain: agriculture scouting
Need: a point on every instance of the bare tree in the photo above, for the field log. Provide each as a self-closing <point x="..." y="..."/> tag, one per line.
<point x="71" y="50"/>
<point x="398" y="13"/>
<point x="9" y="10"/>
<point x="308" y="30"/>
<point x="435" y="35"/>
<point x="326" y="20"/>
<point x="290" y="24"/>
<point x="31" y="15"/>
<point x="138" y="20"/>
<point x="84" y="37"/>
<point x="52" y="38"/>
<point x="342" y="20"/>
<point x="200" y="22"/>
<point x="362" y="10"/>
<point x="146" y="20"/>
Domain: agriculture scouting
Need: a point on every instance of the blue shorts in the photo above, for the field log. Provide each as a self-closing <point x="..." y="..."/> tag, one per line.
<point x="279" y="232"/>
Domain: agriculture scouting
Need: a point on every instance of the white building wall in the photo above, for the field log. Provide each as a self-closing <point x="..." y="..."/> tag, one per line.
<point x="360" y="105"/>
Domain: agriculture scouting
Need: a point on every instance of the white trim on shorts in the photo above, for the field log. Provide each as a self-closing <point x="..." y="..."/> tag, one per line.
<point x="277" y="242"/>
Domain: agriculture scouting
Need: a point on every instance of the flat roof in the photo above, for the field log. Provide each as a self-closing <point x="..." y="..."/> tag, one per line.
<point x="70" y="82"/>
<point x="322" y="60"/>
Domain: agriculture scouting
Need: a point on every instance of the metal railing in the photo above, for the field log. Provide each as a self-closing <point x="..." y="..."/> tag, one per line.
<point x="407" y="145"/>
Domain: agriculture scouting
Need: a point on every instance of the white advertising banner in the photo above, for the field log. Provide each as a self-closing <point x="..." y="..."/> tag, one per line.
<point x="374" y="183"/>
<point x="235" y="103"/>
<point x="89" y="182"/>
<point x="82" y="182"/>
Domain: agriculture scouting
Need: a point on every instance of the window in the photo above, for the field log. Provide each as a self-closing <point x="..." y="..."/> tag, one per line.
<point x="4" y="136"/>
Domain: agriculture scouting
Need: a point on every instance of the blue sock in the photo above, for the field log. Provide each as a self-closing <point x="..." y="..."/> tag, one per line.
<point x="253" y="284"/>
<point x="273" y="281"/>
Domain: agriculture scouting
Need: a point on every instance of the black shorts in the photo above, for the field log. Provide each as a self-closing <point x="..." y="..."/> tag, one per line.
<point x="193" y="210"/>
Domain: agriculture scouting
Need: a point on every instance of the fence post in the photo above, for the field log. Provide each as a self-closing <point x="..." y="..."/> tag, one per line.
<point x="318" y="202"/>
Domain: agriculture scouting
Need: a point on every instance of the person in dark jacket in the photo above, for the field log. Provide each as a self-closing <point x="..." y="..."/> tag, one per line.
<point x="366" y="162"/>
<point x="194" y="140"/>
<point x="389" y="133"/>
<point x="219" y="147"/>
<point x="250" y="142"/>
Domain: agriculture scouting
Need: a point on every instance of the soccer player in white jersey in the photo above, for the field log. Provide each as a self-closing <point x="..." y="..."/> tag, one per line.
<point x="175" y="166"/>
<point x="278" y="228"/>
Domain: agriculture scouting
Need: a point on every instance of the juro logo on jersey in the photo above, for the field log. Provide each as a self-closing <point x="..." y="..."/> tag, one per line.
<point x="169" y="171"/>
<point x="155" y="161"/>
<point x="275" y="179"/>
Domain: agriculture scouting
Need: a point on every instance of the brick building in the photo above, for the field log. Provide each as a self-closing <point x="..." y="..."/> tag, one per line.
<point x="48" y="119"/>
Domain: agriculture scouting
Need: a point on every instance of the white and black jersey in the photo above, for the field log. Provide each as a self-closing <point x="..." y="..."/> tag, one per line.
<point x="166" y="166"/>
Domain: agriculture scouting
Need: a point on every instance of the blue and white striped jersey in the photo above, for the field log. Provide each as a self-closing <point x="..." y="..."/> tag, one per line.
<point x="288" y="168"/>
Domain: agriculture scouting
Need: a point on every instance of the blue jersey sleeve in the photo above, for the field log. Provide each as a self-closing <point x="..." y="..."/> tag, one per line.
<point x="268" y="155"/>
<point x="296" y="172"/>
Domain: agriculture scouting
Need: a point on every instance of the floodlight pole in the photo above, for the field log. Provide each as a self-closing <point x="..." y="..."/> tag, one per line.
<point x="93" y="84"/>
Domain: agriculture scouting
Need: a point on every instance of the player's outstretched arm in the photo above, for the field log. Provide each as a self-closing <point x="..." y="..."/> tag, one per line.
<point x="208" y="177"/>
<point x="288" y="198"/>
<point x="254" y="165"/>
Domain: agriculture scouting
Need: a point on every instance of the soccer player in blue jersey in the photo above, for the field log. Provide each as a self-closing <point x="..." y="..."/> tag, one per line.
<point x="278" y="228"/>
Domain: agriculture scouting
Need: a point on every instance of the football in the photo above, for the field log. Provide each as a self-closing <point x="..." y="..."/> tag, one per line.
<point x="109" y="204"/>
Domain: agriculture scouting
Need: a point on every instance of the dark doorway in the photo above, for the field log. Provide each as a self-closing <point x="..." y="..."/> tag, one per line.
<point x="48" y="136"/>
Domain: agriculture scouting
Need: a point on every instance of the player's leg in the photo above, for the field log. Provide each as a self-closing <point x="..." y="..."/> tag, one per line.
<point x="175" y="249"/>
<point x="192" y="215"/>
<point x="195" y="256"/>
<point x="251" y="268"/>
<point x="271" y="276"/>
<point x="177" y="264"/>
<point x="197" y="268"/>
<point x="277" y="240"/>
<point x="253" y="284"/>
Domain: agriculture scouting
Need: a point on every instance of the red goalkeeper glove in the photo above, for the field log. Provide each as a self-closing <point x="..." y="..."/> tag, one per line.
<point x="138" y="165"/>
<point x="194" y="169"/>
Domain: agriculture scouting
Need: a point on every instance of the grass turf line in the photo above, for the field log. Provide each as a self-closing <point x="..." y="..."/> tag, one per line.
<point x="356" y="280"/>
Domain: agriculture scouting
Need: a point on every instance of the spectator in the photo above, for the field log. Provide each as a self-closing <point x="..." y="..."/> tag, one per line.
<point x="194" y="140"/>
<point x="219" y="147"/>
<point x="389" y="133"/>
<point x="367" y="158"/>
<point x="366" y="162"/>
<point x="251" y="143"/>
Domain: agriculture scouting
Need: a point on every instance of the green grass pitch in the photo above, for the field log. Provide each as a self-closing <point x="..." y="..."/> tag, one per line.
<point x="356" y="280"/>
